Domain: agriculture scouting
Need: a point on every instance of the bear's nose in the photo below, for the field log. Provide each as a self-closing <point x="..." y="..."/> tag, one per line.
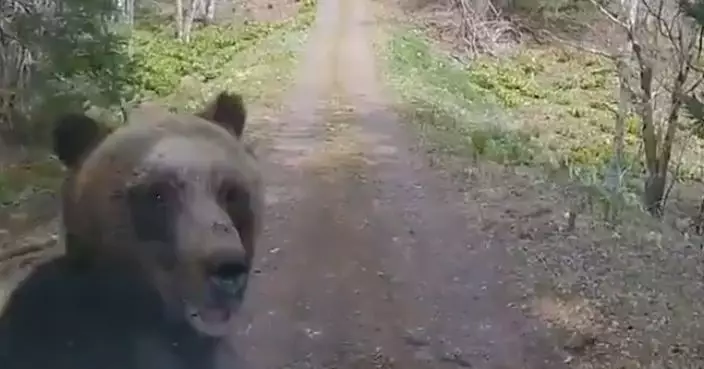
<point x="229" y="271"/>
<point x="228" y="276"/>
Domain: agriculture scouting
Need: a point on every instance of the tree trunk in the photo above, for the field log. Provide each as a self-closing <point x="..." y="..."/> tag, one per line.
<point x="658" y="168"/>
<point x="189" y="18"/>
<point x="179" y="19"/>
<point x="129" y="14"/>
<point x="129" y="21"/>
<point x="655" y="183"/>
<point x="210" y="11"/>
<point x="624" y="99"/>
<point x="654" y="191"/>
<point x="121" y="8"/>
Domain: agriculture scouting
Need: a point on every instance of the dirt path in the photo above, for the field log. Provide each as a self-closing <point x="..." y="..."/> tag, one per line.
<point x="370" y="259"/>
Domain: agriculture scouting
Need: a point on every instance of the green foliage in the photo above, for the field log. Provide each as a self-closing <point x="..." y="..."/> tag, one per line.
<point x="510" y="84"/>
<point x="81" y="60"/>
<point x="694" y="9"/>
<point x="161" y="61"/>
<point x="440" y="89"/>
<point x="307" y="12"/>
<point x="220" y="56"/>
<point x="98" y="53"/>
<point x="411" y="53"/>
<point x="260" y="73"/>
<point x="590" y="154"/>
<point x="544" y="107"/>
<point x="87" y="60"/>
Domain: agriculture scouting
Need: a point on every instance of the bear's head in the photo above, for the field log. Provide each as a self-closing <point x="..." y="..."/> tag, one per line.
<point x="173" y="200"/>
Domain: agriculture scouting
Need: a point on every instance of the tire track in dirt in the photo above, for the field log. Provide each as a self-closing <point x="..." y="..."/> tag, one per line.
<point x="369" y="259"/>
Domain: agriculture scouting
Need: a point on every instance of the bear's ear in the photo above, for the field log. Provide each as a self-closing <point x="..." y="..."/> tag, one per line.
<point x="227" y="111"/>
<point x="74" y="135"/>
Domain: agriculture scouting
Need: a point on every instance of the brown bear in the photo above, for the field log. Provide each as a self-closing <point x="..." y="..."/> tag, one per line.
<point x="160" y="221"/>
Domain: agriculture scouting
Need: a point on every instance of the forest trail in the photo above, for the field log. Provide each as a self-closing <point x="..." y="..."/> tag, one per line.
<point x="370" y="259"/>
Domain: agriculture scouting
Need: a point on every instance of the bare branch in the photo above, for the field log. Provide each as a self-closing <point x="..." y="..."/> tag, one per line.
<point x="481" y="27"/>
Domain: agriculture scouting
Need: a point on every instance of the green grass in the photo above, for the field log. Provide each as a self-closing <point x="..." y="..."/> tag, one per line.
<point x="633" y="285"/>
<point x="542" y="106"/>
<point x="19" y="181"/>
<point x="259" y="65"/>
<point x="444" y="102"/>
<point x="161" y="62"/>
<point x="260" y="73"/>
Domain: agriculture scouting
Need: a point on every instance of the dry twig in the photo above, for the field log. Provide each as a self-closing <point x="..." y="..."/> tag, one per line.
<point x="481" y="28"/>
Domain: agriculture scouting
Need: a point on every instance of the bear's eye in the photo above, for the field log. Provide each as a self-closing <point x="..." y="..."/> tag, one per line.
<point x="230" y="195"/>
<point x="151" y="207"/>
<point x="233" y="195"/>
<point x="235" y="201"/>
<point x="154" y="194"/>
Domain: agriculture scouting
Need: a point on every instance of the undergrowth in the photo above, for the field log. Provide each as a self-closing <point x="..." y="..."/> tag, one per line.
<point x="543" y="106"/>
<point x="21" y="180"/>
<point x="162" y="61"/>
<point x="615" y="295"/>
<point x="255" y="60"/>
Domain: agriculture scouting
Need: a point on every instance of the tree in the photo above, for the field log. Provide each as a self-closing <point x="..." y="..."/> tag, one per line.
<point x="693" y="104"/>
<point x="661" y="47"/>
<point x="58" y="55"/>
<point x="179" y="19"/>
<point x="189" y="17"/>
<point x="186" y="16"/>
<point x="210" y="6"/>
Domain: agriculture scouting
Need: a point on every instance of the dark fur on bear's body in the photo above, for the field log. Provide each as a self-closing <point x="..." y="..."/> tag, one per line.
<point x="61" y="319"/>
<point x="160" y="219"/>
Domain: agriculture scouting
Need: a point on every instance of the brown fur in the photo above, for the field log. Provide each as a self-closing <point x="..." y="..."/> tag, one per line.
<point x="153" y="295"/>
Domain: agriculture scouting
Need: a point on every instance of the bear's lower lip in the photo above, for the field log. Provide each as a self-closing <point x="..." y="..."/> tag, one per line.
<point x="214" y="322"/>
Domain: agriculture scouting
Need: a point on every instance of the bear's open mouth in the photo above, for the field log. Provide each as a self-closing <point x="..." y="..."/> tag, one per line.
<point x="211" y="321"/>
<point x="212" y="315"/>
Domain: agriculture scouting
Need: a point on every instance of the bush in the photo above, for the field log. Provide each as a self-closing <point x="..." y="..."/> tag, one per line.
<point x="87" y="61"/>
<point x="67" y="57"/>
<point x="161" y="61"/>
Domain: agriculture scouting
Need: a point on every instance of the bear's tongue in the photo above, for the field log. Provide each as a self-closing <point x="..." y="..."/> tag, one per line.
<point x="210" y="321"/>
<point x="214" y="315"/>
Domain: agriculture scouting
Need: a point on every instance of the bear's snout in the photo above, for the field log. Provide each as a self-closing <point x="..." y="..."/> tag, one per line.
<point x="223" y="274"/>
<point x="227" y="274"/>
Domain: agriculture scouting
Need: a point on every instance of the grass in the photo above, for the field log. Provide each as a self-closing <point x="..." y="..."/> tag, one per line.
<point x="440" y="93"/>
<point x="542" y="106"/>
<point x="20" y="180"/>
<point x="261" y="74"/>
<point x="161" y="61"/>
<point x="626" y="295"/>
<point x="260" y="71"/>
